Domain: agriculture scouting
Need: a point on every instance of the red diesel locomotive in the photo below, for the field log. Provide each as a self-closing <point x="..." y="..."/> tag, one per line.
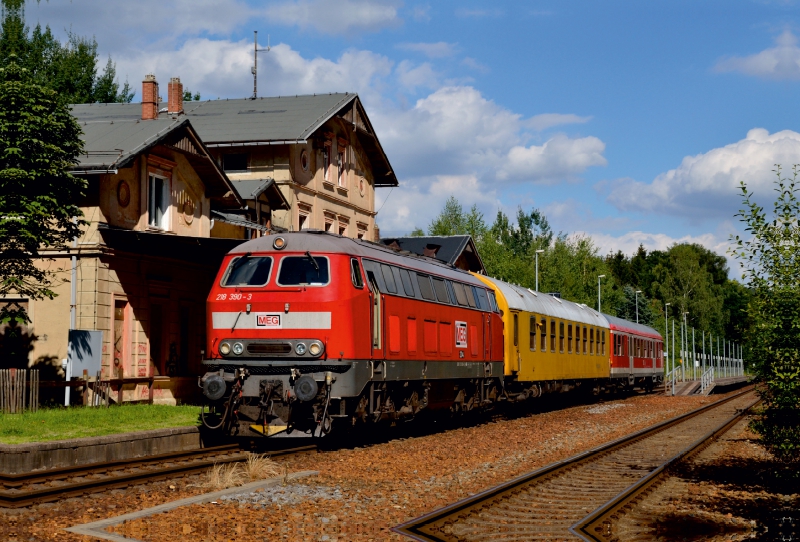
<point x="307" y="327"/>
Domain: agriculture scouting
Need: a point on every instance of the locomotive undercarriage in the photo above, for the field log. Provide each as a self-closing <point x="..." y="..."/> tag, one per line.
<point x="281" y="399"/>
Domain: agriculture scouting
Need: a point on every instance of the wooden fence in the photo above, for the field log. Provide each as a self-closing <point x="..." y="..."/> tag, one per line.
<point x="19" y="390"/>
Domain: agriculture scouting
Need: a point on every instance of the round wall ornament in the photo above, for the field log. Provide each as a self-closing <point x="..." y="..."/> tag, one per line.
<point x="188" y="210"/>
<point x="304" y="163"/>
<point x="361" y="186"/>
<point x="123" y="194"/>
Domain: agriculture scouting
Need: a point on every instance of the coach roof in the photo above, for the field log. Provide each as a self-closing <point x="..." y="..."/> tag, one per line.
<point x="319" y="242"/>
<point x="632" y="327"/>
<point x="523" y="299"/>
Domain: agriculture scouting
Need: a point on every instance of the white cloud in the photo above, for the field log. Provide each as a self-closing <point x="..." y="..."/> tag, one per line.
<point x="548" y="120"/>
<point x="706" y="185"/>
<point x="421" y="13"/>
<point x="440" y="49"/>
<point x="416" y="202"/>
<point x="629" y="242"/>
<point x="479" y="13"/>
<point x="473" y="64"/>
<point x="779" y="62"/>
<point x="222" y="68"/>
<point x="340" y="17"/>
<point x="412" y="77"/>
<point x="560" y="157"/>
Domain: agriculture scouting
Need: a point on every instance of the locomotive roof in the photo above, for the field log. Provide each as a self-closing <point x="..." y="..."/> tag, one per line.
<point x="319" y="242"/>
<point x="632" y="327"/>
<point x="523" y="299"/>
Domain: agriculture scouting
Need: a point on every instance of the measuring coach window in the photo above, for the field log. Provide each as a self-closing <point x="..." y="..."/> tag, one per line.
<point x="543" y="335"/>
<point x="303" y="271"/>
<point x="591" y="341"/>
<point x="516" y="329"/>
<point x="552" y="335"/>
<point x="532" y="332"/>
<point x="569" y="338"/>
<point x="248" y="271"/>
<point x="584" y="339"/>
<point x="355" y="274"/>
<point x="561" y="337"/>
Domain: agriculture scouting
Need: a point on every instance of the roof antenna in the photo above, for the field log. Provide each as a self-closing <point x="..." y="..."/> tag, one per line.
<point x="254" y="69"/>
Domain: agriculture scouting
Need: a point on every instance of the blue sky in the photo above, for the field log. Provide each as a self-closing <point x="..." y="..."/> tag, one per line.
<point x="632" y="122"/>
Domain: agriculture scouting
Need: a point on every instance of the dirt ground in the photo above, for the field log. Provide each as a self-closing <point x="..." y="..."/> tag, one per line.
<point x="730" y="491"/>
<point x="361" y="492"/>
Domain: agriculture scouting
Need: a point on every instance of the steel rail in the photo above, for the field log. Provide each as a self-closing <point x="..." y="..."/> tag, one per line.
<point x="598" y="526"/>
<point x="421" y="528"/>
<point x="104" y="476"/>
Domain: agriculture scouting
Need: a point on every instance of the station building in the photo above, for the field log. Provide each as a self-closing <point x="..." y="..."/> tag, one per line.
<point x="171" y="189"/>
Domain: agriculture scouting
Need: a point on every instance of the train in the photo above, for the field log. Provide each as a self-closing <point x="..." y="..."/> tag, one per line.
<point x="307" y="331"/>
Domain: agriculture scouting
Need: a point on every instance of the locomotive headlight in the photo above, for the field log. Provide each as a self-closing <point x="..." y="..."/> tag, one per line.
<point x="279" y="243"/>
<point x="238" y="348"/>
<point x="224" y="349"/>
<point x="315" y="348"/>
<point x="300" y="349"/>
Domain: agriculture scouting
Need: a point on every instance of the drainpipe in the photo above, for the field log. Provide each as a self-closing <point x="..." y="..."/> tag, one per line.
<point x="73" y="293"/>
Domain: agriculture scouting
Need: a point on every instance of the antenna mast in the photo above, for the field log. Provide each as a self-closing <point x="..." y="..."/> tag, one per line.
<point x="254" y="69"/>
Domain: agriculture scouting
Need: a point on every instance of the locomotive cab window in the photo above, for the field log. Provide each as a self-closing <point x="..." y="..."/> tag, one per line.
<point x="481" y="299"/>
<point x="248" y="271"/>
<point x="493" y="301"/>
<point x="441" y="291"/>
<point x="388" y="279"/>
<point x="461" y="294"/>
<point x="425" y="287"/>
<point x="355" y="274"/>
<point x="470" y="297"/>
<point x="308" y="270"/>
<point x="407" y="285"/>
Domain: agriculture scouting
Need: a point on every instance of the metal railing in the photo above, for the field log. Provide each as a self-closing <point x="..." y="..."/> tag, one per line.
<point x="706" y="380"/>
<point x="673" y="377"/>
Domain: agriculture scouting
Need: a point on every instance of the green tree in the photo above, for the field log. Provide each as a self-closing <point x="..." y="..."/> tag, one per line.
<point x="39" y="142"/>
<point x="771" y="266"/>
<point x="188" y="96"/>
<point x="68" y="68"/>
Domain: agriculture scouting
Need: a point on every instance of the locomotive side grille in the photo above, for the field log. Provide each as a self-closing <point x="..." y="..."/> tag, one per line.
<point x="269" y="348"/>
<point x="285" y="370"/>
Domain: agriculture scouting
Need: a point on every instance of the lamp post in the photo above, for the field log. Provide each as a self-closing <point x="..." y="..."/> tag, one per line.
<point x="537" y="268"/>
<point x="637" y="304"/>
<point x="666" y="332"/>
<point x="598" y="291"/>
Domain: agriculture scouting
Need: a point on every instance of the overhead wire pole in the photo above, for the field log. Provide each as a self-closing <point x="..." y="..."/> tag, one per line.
<point x="540" y="251"/>
<point x="694" y="358"/>
<point x="598" y="291"/>
<point x="673" y="356"/>
<point x="254" y="69"/>
<point x="637" y="304"/>
<point x="666" y="334"/>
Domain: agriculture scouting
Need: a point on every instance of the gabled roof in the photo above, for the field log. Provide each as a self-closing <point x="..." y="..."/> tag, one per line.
<point x="252" y="190"/>
<point x="265" y="121"/>
<point x="114" y="142"/>
<point x="455" y="250"/>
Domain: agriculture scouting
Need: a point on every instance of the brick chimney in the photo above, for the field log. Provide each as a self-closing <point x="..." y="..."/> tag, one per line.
<point x="175" y="96"/>
<point x="149" y="97"/>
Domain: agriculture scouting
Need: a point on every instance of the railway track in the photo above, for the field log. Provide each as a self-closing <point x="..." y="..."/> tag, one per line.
<point x="17" y="491"/>
<point x="547" y="503"/>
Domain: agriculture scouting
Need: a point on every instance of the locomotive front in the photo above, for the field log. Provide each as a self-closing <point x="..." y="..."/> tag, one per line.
<point x="282" y="354"/>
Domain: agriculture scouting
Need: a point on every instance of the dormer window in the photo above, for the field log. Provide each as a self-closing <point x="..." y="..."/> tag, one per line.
<point x="340" y="164"/>
<point x="158" y="202"/>
<point x="233" y="163"/>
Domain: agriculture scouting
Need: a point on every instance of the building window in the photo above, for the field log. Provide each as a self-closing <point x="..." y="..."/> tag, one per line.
<point x="303" y="217"/>
<point x="340" y="164"/>
<point x="343" y="227"/>
<point x="330" y="219"/>
<point x="158" y="202"/>
<point x="326" y="162"/>
<point x="362" y="230"/>
<point x="234" y="162"/>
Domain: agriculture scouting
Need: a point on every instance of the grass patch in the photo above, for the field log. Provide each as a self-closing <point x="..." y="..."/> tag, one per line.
<point x="77" y="422"/>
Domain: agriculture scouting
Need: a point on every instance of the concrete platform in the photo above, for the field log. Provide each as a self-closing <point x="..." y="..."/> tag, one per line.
<point x="720" y="385"/>
<point x="38" y="456"/>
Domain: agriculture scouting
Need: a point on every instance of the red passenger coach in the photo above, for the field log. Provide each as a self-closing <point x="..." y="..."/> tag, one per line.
<point x="636" y="354"/>
<point x="306" y="328"/>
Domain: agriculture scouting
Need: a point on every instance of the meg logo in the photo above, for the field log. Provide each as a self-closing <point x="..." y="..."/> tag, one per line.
<point x="461" y="334"/>
<point x="268" y="320"/>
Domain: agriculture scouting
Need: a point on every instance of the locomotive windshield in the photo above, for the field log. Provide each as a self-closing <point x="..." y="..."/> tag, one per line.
<point x="248" y="271"/>
<point x="301" y="270"/>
